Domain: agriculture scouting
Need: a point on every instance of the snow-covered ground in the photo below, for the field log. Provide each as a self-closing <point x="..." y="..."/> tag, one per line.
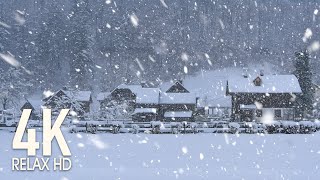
<point x="187" y="157"/>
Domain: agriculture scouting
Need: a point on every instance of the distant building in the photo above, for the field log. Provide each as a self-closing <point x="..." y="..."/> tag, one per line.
<point x="253" y="97"/>
<point x="214" y="108"/>
<point x="35" y="106"/>
<point x="176" y="103"/>
<point x="147" y="105"/>
<point x="171" y="102"/>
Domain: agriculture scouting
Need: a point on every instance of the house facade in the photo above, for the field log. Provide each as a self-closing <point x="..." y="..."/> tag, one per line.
<point x="177" y="103"/>
<point x="147" y="105"/>
<point x="258" y="97"/>
<point x="35" y="106"/>
<point x="172" y="102"/>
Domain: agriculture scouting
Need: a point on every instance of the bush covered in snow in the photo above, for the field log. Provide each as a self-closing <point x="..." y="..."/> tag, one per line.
<point x="175" y="127"/>
<point x="290" y="127"/>
<point x="156" y="126"/>
<point x="306" y="127"/>
<point x="135" y="128"/>
<point x="205" y="125"/>
<point x="273" y="127"/>
<point x="234" y="127"/>
<point x="194" y="127"/>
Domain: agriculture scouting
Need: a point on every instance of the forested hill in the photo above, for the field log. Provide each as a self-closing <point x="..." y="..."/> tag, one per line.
<point x="100" y="43"/>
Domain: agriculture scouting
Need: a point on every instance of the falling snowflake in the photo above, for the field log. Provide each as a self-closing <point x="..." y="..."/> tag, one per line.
<point x="47" y="93"/>
<point x="185" y="69"/>
<point x="184" y="150"/>
<point x="201" y="156"/>
<point x="307" y="35"/>
<point x="134" y="20"/>
<point x="184" y="56"/>
<point x="315" y="46"/>
<point x="80" y="145"/>
<point x="4" y="25"/>
<point x="19" y="17"/>
<point x="164" y="4"/>
<point x="9" y="58"/>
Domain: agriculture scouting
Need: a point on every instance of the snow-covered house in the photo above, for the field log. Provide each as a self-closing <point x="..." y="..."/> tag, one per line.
<point x="176" y="103"/>
<point x="35" y="105"/>
<point x="213" y="107"/>
<point x="209" y="88"/>
<point x="254" y="97"/>
<point x="78" y="101"/>
<point x="147" y="105"/>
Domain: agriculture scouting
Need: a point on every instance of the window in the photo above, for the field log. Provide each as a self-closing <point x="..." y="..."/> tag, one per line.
<point x="277" y="113"/>
<point x="257" y="81"/>
<point x="258" y="113"/>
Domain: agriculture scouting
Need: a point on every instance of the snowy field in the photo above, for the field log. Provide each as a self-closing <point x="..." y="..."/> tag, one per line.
<point x="187" y="157"/>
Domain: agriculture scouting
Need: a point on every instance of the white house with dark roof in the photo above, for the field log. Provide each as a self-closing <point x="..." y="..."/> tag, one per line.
<point x="150" y="104"/>
<point x="147" y="105"/>
<point x="176" y="102"/>
<point x="256" y="96"/>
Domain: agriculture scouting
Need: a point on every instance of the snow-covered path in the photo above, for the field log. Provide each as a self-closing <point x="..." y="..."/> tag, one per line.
<point x="199" y="156"/>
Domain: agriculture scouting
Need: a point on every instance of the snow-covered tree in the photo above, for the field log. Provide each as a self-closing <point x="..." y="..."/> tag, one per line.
<point x="57" y="103"/>
<point x="304" y="75"/>
<point x="117" y="110"/>
<point x="14" y="86"/>
<point x="79" y="43"/>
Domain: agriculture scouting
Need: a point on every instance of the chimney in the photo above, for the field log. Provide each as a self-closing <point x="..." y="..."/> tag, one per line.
<point x="245" y="72"/>
<point x="64" y="88"/>
<point x="180" y="81"/>
<point x="143" y="84"/>
<point x="261" y="72"/>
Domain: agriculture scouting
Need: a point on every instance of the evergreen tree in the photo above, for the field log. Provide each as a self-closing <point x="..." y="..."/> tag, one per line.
<point x="79" y="44"/>
<point x="51" y="48"/>
<point x="304" y="75"/>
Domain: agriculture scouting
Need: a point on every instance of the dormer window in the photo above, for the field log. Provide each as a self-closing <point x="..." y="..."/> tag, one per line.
<point x="257" y="81"/>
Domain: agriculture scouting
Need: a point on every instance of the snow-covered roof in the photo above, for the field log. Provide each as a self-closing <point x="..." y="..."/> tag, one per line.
<point x="269" y="84"/>
<point x="175" y="114"/>
<point x="36" y="104"/>
<point x="134" y="88"/>
<point x="208" y="86"/>
<point x="177" y="98"/>
<point x="165" y="86"/>
<point x="145" y="110"/>
<point x="103" y="95"/>
<point x="148" y="96"/>
<point x="250" y="106"/>
<point x="79" y="95"/>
